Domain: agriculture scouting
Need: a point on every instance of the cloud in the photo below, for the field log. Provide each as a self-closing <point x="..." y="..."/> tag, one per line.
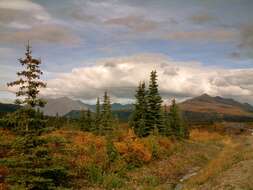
<point x="121" y="75"/>
<point x="135" y="23"/>
<point x="201" y="18"/>
<point x="247" y="36"/>
<point x="22" y="13"/>
<point x="212" y="34"/>
<point x="42" y="34"/>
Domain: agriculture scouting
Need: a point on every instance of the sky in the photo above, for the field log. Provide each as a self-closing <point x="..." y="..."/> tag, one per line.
<point x="89" y="46"/>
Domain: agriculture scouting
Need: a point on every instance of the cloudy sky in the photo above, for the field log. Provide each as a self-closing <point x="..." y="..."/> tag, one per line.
<point x="89" y="46"/>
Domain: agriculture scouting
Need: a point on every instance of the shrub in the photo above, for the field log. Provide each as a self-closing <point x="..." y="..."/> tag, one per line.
<point x="94" y="174"/>
<point x="133" y="150"/>
<point x="112" y="181"/>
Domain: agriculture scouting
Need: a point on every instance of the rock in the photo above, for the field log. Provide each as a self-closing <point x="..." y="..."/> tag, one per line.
<point x="188" y="176"/>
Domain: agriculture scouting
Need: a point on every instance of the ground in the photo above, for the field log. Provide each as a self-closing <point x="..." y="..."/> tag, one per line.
<point x="232" y="169"/>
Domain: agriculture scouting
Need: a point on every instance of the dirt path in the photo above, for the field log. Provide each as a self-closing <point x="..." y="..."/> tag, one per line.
<point x="231" y="170"/>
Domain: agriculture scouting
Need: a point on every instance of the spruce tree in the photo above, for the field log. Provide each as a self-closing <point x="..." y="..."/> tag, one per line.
<point x="154" y="117"/>
<point x="97" y="116"/>
<point x="139" y="115"/>
<point x="82" y="120"/>
<point x="176" y="122"/>
<point x="89" y="121"/>
<point x="33" y="168"/>
<point x="29" y="81"/>
<point x="106" y="115"/>
<point x="166" y="130"/>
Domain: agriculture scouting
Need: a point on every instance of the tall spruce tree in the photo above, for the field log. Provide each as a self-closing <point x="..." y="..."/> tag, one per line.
<point x="97" y="117"/>
<point x="34" y="168"/>
<point x="154" y="117"/>
<point x="89" y="121"/>
<point x="82" y="120"/>
<point x="139" y="115"/>
<point x="166" y="130"/>
<point x="106" y="115"/>
<point x="29" y="81"/>
<point x="178" y="127"/>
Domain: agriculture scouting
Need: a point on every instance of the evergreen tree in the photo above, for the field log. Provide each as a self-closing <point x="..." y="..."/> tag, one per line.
<point x="34" y="168"/>
<point x="97" y="116"/>
<point x="82" y="120"/>
<point x="139" y="115"/>
<point x="106" y="116"/>
<point x="166" y="130"/>
<point x="154" y="117"/>
<point x="176" y="121"/>
<point x="29" y="82"/>
<point x="89" y="121"/>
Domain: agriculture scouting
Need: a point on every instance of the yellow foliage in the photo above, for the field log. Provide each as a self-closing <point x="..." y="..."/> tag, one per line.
<point x="83" y="148"/>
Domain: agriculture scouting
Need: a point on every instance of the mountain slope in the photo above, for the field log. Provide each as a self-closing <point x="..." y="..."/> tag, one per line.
<point x="208" y="104"/>
<point x="205" y="108"/>
<point x="63" y="106"/>
<point x="8" y="107"/>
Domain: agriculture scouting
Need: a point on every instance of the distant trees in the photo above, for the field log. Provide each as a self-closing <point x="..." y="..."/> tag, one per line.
<point x="106" y="115"/>
<point x="177" y="125"/>
<point x="148" y="116"/>
<point x="102" y="121"/>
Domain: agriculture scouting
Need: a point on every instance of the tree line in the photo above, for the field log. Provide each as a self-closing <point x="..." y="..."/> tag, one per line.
<point x="149" y="117"/>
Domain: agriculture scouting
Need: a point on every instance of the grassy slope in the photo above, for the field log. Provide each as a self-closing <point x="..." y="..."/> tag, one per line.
<point x="232" y="168"/>
<point x="213" y="107"/>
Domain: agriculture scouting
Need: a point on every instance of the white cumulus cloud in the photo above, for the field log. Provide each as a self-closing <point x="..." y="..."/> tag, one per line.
<point x="120" y="76"/>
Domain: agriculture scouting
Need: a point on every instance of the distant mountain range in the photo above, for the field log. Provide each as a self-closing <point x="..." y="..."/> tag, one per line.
<point x="203" y="108"/>
<point x="64" y="105"/>
<point x="8" y="107"/>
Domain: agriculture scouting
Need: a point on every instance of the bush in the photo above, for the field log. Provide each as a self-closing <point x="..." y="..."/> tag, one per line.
<point x="112" y="181"/>
<point x="133" y="150"/>
<point x="94" y="174"/>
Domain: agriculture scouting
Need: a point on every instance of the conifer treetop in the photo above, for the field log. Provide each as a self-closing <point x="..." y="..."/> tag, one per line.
<point x="28" y="81"/>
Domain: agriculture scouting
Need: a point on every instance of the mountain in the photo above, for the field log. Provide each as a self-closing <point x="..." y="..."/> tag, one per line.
<point x="205" y="107"/>
<point x="115" y="106"/>
<point x="63" y="106"/>
<point x="206" y="103"/>
<point x="8" y="107"/>
<point x="121" y="115"/>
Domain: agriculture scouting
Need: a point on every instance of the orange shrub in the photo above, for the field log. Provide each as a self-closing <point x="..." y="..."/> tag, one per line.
<point x="3" y="186"/>
<point x="132" y="149"/>
<point x="3" y="172"/>
<point x="87" y="149"/>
